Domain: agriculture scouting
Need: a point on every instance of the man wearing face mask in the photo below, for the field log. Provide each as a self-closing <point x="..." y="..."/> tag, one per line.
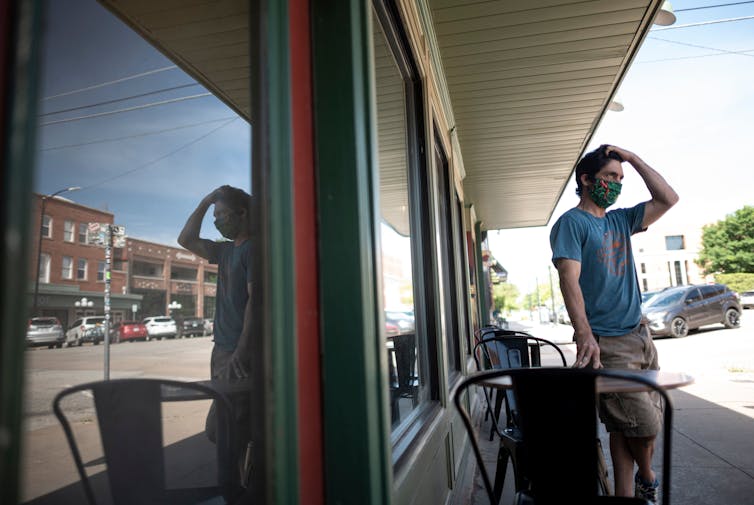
<point x="232" y="324"/>
<point x="592" y="253"/>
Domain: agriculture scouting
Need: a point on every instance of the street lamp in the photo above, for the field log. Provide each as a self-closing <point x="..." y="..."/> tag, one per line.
<point x="84" y="303"/>
<point x="39" y="248"/>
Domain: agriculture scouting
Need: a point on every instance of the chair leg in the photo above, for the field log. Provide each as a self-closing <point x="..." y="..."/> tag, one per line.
<point x="500" y="470"/>
<point x="498" y="407"/>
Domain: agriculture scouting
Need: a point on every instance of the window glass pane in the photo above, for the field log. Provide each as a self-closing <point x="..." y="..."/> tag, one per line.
<point x="68" y="231"/>
<point x="47" y="226"/>
<point x="396" y="233"/>
<point x="44" y="268"/>
<point x="674" y="243"/>
<point x="81" y="271"/>
<point x="134" y="137"/>
<point x="67" y="271"/>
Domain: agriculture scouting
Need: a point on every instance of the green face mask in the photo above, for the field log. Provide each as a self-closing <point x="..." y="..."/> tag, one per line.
<point x="229" y="226"/>
<point x="605" y="193"/>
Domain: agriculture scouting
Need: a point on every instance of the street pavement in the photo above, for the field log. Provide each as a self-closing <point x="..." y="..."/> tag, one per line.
<point x="713" y="426"/>
<point x="713" y="435"/>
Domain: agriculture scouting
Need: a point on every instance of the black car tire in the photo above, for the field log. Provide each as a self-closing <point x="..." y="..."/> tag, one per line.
<point x="679" y="328"/>
<point x="59" y="345"/>
<point x="732" y="319"/>
<point x="79" y="342"/>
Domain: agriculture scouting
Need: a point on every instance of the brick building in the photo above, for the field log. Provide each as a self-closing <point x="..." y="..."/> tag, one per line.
<point x="70" y="267"/>
<point x="145" y="276"/>
<point x="163" y="274"/>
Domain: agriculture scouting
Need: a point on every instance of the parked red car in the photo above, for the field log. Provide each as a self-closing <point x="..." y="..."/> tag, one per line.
<point x="129" y="330"/>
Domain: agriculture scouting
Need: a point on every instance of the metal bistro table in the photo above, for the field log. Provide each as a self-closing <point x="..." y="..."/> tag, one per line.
<point x="663" y="379"/>
<point x="625" y="381"/>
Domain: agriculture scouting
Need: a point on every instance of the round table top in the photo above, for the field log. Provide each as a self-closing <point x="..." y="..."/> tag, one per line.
<point x="666" y="380"/>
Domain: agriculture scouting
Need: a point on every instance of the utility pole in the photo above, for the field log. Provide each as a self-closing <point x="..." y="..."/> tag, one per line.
<point x="552" y="295"/>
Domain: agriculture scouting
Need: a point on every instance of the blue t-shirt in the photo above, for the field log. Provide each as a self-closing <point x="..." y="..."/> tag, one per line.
<point x="608" y="276"/>
<point x="233" y="275"/>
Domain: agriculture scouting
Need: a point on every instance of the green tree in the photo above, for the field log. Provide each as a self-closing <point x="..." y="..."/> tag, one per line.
<point x="728" y="245"/>
<point x="505" y="296"/>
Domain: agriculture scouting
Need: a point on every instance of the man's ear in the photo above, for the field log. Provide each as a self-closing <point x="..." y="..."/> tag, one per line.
<point x="586" y="180"/>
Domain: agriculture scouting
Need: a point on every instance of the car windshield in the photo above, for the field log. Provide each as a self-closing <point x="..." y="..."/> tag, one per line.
<point x="664" y="299"/>
<point x="95" y="320"/>
<point x="162" y="319"/>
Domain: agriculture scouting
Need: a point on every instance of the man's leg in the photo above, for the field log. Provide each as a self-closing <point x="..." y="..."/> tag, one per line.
<point x="623" y="465"/>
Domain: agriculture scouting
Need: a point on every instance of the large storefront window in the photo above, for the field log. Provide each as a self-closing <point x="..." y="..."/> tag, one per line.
<point x="145" y="109"/>
<point x="405" y="338"/>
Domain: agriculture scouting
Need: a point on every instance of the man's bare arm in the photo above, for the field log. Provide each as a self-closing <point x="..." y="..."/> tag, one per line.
<point x="663" y="196"/>
<point x="239" y="362"/>
<point x="587" y="348"/>
<point x="189" y="237"/>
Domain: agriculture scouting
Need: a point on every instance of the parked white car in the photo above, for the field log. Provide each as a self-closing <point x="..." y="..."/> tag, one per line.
<point x="86" y="329"/>
<point x="747" y="299"/>
<point x="160" y="327"/>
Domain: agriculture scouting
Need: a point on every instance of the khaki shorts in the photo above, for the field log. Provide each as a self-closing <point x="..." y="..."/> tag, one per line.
<point x="632" y="414"/>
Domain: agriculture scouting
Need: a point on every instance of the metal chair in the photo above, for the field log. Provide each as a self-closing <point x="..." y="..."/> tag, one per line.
<point x="560" y="462"/>
<point x="502" y="350"/>
<point x="129" y="413"/>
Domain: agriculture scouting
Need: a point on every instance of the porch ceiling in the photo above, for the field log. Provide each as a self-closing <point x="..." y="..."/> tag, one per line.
<point x="529" y="81"/>
<point x="208" y="39"/>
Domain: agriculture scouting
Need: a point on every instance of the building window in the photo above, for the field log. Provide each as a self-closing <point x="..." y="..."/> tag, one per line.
<point x="643" y="268"/>
<point x="46" y="226"/>
<point x="100" y="271"/>
<point x="410" y="322"/>
<point x="81" y="270"/>
<point x="645" y="285"/>
<point x="678" y="274"/>
<point x="67" y="271"/>
<point x="83" y="233"/>
<point x="68" y="228"/>
<point x="674" y="243"/>
<point x="44" y="268"/>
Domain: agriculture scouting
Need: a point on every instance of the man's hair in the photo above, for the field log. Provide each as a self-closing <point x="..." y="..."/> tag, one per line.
<point x="592" y="163"/>
<point x="236" y="199"/>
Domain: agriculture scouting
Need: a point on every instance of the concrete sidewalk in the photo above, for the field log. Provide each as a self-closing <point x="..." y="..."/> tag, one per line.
<point x="713" y="435"/>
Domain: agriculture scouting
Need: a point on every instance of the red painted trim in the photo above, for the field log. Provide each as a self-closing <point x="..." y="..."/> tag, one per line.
<point x="311" y="478"/>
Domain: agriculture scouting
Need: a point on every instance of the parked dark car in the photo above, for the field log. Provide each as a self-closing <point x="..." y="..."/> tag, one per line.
<point x="128" y="331"/>
<point x="192" y="327"/>
<point x="45" y="331"/>
<point x="677" y="310"/>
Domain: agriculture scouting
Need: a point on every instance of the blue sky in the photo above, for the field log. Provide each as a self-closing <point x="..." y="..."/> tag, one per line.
<point x="151" y="182"/>
<point x="687" y="114"/>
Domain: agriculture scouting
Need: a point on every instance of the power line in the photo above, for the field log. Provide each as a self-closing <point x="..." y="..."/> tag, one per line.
<point x="137" y="135"/>
<point x="712" y="6"/>
<point x="160" y="158"/>
<point x="117" y="100"/>
<point x="743" y="53"/>
<point x="108" y="83"/>
<point x="722" y="51"/>
<point x="127" y="109"/>
<point x="702" y="23"/>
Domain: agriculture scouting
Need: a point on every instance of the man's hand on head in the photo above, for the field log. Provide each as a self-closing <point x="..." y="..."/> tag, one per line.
<point x="623" y="153"/>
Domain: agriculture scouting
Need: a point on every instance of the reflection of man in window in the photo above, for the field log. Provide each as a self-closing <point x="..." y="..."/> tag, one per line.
<point x="232" y="323"/>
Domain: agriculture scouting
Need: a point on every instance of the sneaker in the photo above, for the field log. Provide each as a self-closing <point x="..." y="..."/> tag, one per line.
<point x="646" y="490"/>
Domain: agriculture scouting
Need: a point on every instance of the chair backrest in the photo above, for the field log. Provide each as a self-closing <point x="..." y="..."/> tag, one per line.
<point x="557" y="419"/>
<point x="505" y="349"/>
<point x="129" y="414"/>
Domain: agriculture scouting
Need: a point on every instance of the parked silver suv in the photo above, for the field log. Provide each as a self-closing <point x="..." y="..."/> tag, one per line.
<point x="676" y="310"/>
